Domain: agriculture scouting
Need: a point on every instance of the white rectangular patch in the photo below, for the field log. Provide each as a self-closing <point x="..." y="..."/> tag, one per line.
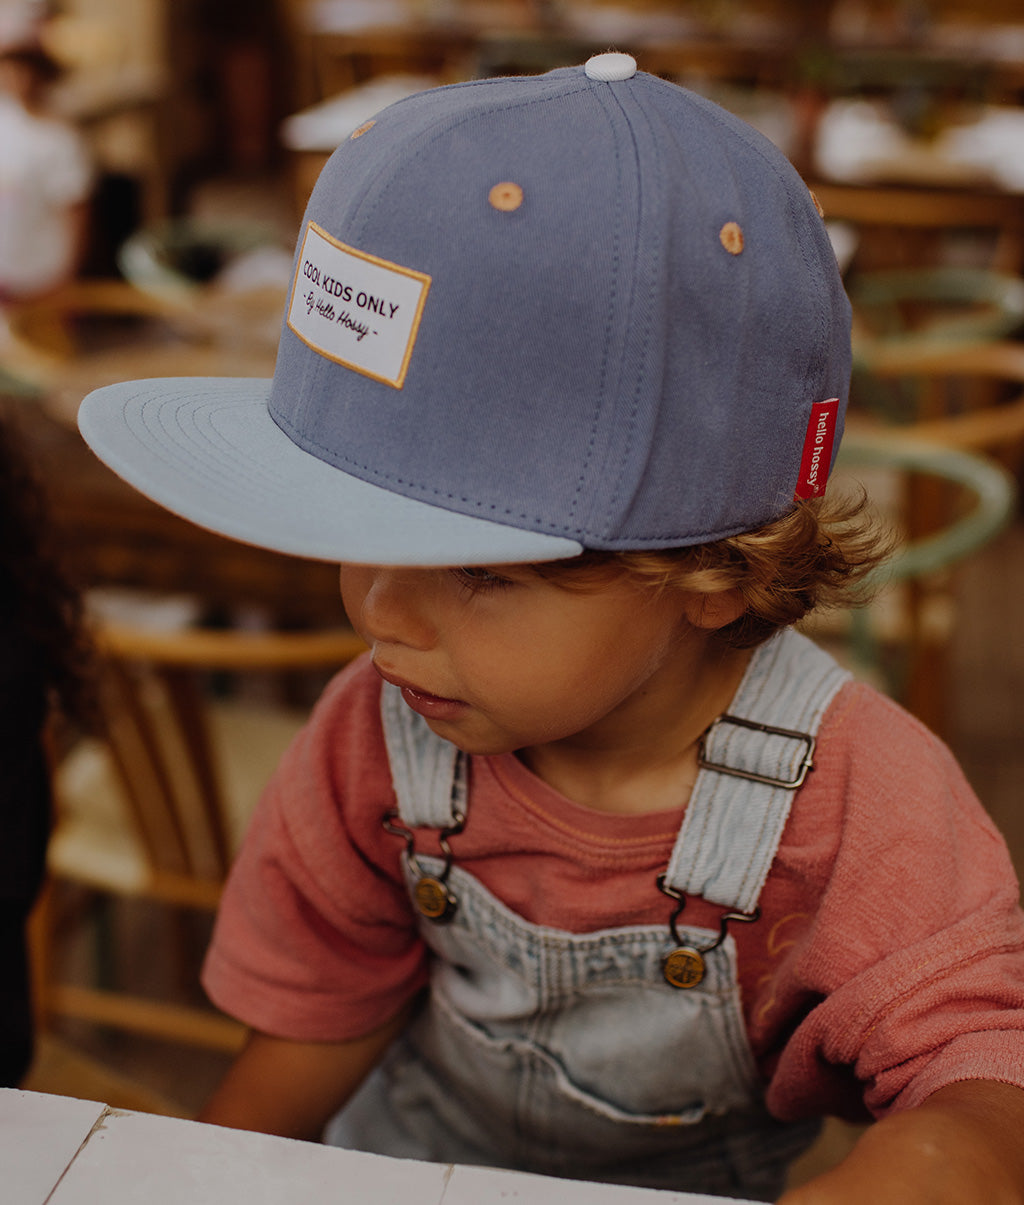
<point x="356" y="309"/>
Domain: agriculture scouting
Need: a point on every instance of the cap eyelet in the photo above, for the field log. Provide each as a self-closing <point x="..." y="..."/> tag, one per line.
<point x="506" y="196"/>
<point x="731" y="237"/>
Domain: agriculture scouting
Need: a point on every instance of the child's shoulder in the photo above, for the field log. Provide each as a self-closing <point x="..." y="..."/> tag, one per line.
<point x="888" y="768"/>
<point x="887" y="833"/>
<point x="863" y="724"/>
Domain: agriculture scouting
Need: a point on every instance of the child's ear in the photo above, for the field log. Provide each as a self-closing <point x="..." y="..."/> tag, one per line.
<point x="713" y="611"/>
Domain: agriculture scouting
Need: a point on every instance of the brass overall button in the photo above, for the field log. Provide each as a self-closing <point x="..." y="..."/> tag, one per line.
<point x="433" y="899"/>
<point x="683" y="967"/>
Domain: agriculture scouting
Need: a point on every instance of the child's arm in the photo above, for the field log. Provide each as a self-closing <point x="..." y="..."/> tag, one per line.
<point x="292" y="1088"/>
<point x="964" y="1144"/>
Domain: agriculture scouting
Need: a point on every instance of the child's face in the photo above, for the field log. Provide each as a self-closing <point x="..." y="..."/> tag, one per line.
<point x="504" y="659"/>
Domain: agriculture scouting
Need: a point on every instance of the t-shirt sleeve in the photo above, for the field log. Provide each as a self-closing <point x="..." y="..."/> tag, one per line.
<point x="314" y="938"/>
<point x="909" y="970"/>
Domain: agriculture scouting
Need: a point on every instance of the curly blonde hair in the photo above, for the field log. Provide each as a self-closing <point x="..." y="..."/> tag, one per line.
<point x="816" y="556"/>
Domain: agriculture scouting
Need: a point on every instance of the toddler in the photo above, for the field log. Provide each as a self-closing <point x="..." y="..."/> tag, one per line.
<point x="593" y="866"/>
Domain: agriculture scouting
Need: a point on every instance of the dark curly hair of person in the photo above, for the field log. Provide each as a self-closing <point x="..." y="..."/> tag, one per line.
<point x="39" y="601"/>
<point x="44" y="659"/>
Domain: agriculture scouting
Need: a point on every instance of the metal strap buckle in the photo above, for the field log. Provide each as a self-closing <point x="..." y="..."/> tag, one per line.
<point x="684" y="966"/>
<point x="431" y="894"/>
<point x="789" y="784"/>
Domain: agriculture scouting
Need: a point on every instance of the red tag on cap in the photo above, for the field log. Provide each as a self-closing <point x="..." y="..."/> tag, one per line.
<point x="817" y="458"/>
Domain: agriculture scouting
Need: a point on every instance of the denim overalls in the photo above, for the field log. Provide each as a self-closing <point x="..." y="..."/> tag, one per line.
<point x="570" y="1054"/>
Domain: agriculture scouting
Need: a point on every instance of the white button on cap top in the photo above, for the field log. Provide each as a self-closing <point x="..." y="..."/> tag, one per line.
<point x="610" y="67"/>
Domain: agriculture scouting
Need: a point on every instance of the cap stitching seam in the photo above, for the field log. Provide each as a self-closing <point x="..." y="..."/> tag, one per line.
<point x="613" y="500"/>
<point x="603" y="388"/>
<point x="333" y="457"/>
<point x="815" y="362"/>
<point x="659" y="539"/>
<point x="359" y="225"/>
<point x="427" y="140"/>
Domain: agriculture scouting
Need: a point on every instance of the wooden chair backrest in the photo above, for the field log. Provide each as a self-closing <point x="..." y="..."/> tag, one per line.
<point x="971" y="397"/>
<point x="154" y="692"/>
<point x="911" y="227"/>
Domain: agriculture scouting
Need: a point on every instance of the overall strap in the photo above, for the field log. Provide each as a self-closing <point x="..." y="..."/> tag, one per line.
<point x="428" y="773"/>
<point x="753" y="760"/>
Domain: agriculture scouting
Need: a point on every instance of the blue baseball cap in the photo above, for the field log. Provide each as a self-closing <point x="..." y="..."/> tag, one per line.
<point x="529" y="316"/>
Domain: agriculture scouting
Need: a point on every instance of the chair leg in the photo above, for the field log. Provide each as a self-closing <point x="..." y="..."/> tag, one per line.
<point x="39" y="936"/>
<point x="104" y="942"/>
<point x="42" y="942"/>
<point x="927" y="687"/>
<point x="173" y="1022"/>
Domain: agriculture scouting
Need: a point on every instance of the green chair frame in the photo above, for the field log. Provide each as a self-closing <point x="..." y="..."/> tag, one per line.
<point x="993" y="492"/>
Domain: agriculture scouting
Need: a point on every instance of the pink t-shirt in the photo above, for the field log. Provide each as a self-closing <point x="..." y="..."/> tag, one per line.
<point x="888" y="960"/>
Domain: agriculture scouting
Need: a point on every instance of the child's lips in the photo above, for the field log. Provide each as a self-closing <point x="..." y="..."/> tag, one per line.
<point x="429" y="705"/>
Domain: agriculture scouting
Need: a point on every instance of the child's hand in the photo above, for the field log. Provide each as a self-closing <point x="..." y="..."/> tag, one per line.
<point x="962" y="1145"/>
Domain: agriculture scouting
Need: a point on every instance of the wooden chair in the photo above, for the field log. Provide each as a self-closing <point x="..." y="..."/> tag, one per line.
<point x="966" y="398"/>
<point x="95" y="331"/>
<point x="44" y="333"/>
<point x="346" y="59"/>
<point x="155" y="808"/>
<point x="944" y="479"/>
<point x="961" y="395"/>
<point x="932" y="308"/>
<point x="904" y="227"/>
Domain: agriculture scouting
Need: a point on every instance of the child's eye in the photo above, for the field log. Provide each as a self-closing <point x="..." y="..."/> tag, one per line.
<point x="476" y="577"/>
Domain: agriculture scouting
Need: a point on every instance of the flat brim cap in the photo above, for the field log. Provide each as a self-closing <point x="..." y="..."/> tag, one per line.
<point x="528" y="316"/>
<point x="208" y="450"/>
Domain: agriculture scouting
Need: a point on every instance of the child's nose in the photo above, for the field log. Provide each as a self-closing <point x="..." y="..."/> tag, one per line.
<point x="395" y="608"/>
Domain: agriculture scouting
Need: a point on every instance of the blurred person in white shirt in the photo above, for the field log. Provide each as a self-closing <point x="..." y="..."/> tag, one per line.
<point x="46" y="175"/>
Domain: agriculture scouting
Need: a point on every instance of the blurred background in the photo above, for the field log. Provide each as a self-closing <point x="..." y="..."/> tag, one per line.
<point x="155" y="159"/>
